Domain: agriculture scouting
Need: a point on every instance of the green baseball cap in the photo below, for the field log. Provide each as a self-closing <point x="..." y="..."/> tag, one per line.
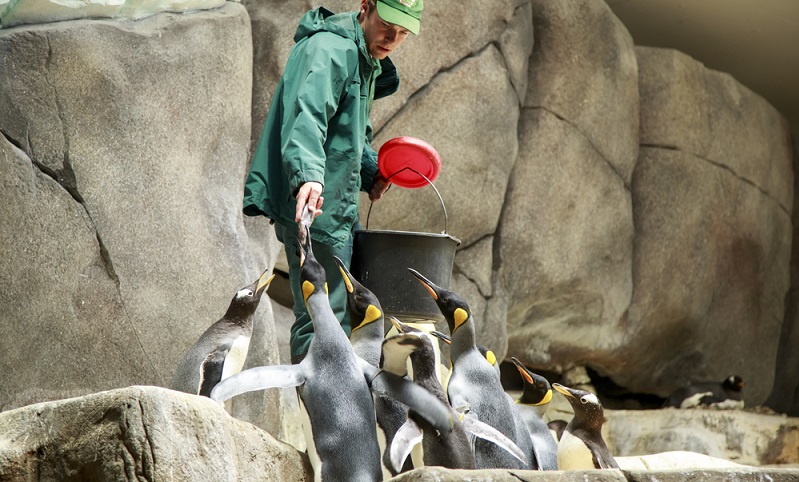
<point x="405" y="13"/>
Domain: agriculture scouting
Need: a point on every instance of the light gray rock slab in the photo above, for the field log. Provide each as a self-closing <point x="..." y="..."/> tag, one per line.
<point x="737" y="436"/>
<point x="140" y="433"/>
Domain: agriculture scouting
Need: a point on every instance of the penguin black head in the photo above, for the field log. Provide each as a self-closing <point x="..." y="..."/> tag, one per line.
<point x="363" y="304"/>
<point x="423" y="357"/>
<point x="454" y="308"/>
<point x="733" y="383"/>
<point x="536" y="389"/>
<point x="588" y="411"/>
<point x="245" y="301"/>
<point x="487" y="353"/>
<point x="312" y="274"/>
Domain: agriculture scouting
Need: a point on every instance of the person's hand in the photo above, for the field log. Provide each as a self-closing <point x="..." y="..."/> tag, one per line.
<point x="310" y="194"/>
<point x="379" y="186"/>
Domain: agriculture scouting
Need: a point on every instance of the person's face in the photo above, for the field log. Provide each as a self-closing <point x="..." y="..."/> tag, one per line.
<point x="382" y="38"/>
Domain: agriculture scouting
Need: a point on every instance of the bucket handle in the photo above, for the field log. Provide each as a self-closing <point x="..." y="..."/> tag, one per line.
<point x="446" y="219"/>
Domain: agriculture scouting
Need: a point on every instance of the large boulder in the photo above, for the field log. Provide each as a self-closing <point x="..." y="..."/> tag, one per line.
<point x="122" y="233"/>
<point x="565" y="238"/>
<point x="140" y="433"/>
<point x="712" y="197"/>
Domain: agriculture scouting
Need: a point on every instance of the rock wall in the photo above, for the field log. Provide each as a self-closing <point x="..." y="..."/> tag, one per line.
<point x="619" y="207"/>
<point x="140" y="433"/>
<point x="124" y="147"/>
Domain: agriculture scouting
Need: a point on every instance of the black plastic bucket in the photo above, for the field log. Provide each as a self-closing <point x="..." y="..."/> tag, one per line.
<point x="380" y="261"/>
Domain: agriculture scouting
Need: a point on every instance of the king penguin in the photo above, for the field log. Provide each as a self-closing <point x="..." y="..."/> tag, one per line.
<point x="454" y="449"/>
<point x="727" y="394"/>
<point x="582" y="447"/>
<point x="474" y="383"/>
<point x="487" y="353"/>
<point x="221" y="350"/>
<point x="334" y="385"/>
<point x="368" y="332"/>
<point x="532" y="404"/>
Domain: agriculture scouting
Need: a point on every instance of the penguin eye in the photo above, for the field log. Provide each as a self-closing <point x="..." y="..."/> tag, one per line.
<point x="583" y="400"/>
<point x="250" y="293"/>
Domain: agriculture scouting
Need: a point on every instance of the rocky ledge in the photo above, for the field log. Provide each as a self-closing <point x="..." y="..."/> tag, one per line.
<point x="154" y="434"/>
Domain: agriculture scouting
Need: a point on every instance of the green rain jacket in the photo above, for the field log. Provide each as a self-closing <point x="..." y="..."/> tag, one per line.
<point x="318" y="126"/>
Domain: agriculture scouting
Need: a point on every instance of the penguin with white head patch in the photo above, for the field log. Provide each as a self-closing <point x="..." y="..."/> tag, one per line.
<point x="725" y="395"/>
<point x="221" y="350"/>
<point x="582" y="447"/>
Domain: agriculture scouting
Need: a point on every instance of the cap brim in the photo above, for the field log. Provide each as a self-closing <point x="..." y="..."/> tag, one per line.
<point x="398" y="17"/>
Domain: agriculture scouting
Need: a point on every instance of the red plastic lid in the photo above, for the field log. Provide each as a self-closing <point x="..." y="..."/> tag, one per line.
<point x="399" y="157"/>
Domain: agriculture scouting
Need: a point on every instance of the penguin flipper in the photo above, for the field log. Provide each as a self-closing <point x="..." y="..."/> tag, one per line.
<point x="396" y="350"/>
<point x="259" y="378"/>
<point x="413" y="396"/>
<point x="211" y="372"/>
<point x="487" y="432"/>
<point x="601" y="456"/>
<point x="408" y="435"/>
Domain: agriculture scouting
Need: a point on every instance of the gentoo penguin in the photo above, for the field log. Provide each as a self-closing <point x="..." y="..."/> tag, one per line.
<point x="454" y="449"/>
<point x="368" y="332"/>
<point x="582" y="447"/>
<point x="334" y="385"/>
<point x="532" y="404"/>
<point x="474" y="383"/>
<point x="726" y="394"/>
<point x="220" y="352"/>
<point x="487" y="354"/>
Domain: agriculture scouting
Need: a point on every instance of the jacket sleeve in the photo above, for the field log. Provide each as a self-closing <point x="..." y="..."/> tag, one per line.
<point x="368" y="160"/>
<point x="318" y="73"/>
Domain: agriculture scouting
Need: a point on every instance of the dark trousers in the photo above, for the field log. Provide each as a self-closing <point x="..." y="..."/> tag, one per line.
<point x="302" y="329"/>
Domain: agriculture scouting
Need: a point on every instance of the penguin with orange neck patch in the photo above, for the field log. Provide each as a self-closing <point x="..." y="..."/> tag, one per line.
<point x="532" y="405"/>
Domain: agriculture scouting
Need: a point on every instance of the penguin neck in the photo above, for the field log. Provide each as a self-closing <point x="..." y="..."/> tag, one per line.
<point x="325" y="322"/>
<point x="424" y="372"/>
<point x="239" y="315"/>
<point x="463" y="341"/>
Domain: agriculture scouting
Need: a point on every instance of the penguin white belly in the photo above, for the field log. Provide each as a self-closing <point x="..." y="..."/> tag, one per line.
<point x="573" y="454"/>
<point x="234" y="361"/>
<point x="693" y="400"/>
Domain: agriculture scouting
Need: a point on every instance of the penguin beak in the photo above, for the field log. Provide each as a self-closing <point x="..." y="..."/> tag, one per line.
<point x="305" y="247"/>
<point x="564" y="390"/>
<point x="522" y="370"/>
<point x="398" y="325"/>
<point x="345" y="274"/>
<point x="441" y="336"/>
<point x="263" y="282"/>
<point x="429" y="285"/>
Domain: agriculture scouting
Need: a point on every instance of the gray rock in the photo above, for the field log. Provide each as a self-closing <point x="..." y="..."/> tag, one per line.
<point x="472" y="98"/>
<point x="584" y="71"/>
<point x="713" y="229"/>
<point x="738" y="436"/>
<point x="566" y="248"/>
<point x="140" y="433"/>
<point x="706" y="113"/>
<point x="128" y="216"/>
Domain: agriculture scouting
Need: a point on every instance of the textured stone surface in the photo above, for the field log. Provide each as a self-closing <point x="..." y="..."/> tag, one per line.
<point x="140" y="433"/>
<point x="738" y="436"/>
<point x="122" y="230"/>
<point x="566" y="248"/>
